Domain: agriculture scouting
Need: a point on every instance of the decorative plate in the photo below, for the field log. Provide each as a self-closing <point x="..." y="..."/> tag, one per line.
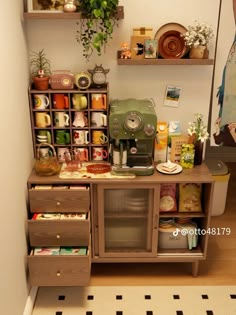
<point x="98" y="168"/>
<point x="171" y="45"/>
<point x="169" y="27"/>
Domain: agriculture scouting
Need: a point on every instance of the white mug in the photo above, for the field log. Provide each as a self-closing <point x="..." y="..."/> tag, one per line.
<point x="61" y="152"/>
<point x="41" y="101"/>
<point x="80" y="120"/>
<point x="99" y="154"/>
<point x="61" y="119"/>
<point x="98" y="119"/>
<point x="45" y="152"/>
<point x="80" y="136"/>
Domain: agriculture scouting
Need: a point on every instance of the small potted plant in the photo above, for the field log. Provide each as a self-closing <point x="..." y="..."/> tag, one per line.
<point x="40" y="70"/>
<point x="197" y="37"/>
<point x="97" y="24"/>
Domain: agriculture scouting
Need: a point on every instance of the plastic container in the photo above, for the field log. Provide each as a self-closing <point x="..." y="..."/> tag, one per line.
<point x="220" y="172"/>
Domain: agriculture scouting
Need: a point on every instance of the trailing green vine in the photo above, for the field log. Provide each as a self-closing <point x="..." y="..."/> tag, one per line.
<point x="97" y="25"/>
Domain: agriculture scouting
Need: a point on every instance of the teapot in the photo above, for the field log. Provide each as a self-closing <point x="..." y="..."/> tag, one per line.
<point x="79" y="101"/>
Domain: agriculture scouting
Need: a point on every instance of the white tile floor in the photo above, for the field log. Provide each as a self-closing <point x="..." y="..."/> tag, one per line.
<point x="142" y="300"/>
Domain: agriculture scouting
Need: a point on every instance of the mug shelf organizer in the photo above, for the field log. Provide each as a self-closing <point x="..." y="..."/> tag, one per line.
<point x="52" y="129"/>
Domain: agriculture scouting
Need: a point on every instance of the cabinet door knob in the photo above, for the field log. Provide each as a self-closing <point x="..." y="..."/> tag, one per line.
<point x="58" y="236"/>
<point x="58" y="203"/>
<point x="58" y="274"/>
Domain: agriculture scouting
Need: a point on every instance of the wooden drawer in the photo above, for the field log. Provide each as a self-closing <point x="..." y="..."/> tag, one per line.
<point x="59" y="232"/>
<point x="59" y="270"/>
<point x="59" y="200"/>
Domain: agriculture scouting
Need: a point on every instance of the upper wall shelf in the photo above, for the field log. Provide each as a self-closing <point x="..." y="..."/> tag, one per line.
<point x="172" y="62"/>
<point x="67" y="15"/>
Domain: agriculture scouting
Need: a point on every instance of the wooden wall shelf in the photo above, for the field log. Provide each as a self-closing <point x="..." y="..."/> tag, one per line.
<point x="159" y="62"/>
<point x="62" y="15"/>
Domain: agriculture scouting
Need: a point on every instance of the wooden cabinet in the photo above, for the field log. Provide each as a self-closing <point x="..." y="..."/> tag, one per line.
<point x="123" y="216"/>
<point x="73" y="121"/>
<point x="59" y="270"/>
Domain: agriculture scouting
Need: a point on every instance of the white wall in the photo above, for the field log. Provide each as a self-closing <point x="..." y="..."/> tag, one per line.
<point x="15" y="158"/>
<point x="58" y="39"/>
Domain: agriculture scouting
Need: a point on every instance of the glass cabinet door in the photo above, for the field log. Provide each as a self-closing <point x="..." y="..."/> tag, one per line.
<point x="126" y="221"/>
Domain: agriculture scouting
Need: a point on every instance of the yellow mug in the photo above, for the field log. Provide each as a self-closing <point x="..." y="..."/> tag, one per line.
<point x="42" y="119"/>
<point x="98" y="137"/>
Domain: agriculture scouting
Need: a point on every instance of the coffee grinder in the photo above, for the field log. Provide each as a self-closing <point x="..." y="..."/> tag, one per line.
<point x="132" y="128"/>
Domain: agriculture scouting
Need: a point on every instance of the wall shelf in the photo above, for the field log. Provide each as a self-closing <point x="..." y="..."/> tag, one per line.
<point x="63" y="15"/>
<point x="171" y="62"/>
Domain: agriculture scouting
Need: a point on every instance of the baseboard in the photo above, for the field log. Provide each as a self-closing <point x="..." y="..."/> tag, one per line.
<point x="30" y="301"/>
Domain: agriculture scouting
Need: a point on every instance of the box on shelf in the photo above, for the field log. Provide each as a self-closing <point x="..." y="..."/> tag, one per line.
<point x="161" y="143"/>
<point x="143" y="31"/>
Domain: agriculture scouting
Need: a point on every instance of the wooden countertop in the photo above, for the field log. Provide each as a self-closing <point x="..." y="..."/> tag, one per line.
<point x="198" y="174"/>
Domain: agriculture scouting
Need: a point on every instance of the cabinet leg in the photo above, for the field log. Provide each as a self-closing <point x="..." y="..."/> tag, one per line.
<point x="195" y="265"/>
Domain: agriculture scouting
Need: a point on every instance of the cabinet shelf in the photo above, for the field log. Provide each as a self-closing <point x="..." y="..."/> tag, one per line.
<point x="165" y="62"/>
<point x="65" y="16"/>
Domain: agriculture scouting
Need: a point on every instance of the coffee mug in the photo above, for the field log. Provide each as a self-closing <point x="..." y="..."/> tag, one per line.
<point x="61" y="119"/>
<point x="44" y="136"/>
<point x="98" y="137"/>
<point x="41" y="101"/>
<point x="62" y="137"/>
<point x="42" y="119"/>
<point x="80" y="136"/>
<point x="80" y="120"/>
<point x="61" y="152"/>
<point x="45" y="152"/>
<point x="98" y="119"/>
<point x="60" y="101"/>
<point x="83" y="153"/>
<point x="99" y="101"/>
<point x="99" y="154"/>
<point x="79" y="101"/>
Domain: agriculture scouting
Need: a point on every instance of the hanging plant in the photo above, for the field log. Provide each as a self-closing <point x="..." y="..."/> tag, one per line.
<point x="97" y="24"/>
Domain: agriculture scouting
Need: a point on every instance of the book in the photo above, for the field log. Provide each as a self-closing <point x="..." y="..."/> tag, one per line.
<point x="73" y="216"/>
<point x="47" y="251"/>
<point x="79" y="187"/>
<point x="42" y="187"/>
<point x="46" y="216"/>
<point x="81" y="251"/>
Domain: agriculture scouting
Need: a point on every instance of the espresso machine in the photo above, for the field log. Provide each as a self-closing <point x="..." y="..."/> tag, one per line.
<point x="132" y="128"/>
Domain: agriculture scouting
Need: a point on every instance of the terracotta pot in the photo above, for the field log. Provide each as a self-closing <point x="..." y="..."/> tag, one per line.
<point x="41" y="83"/>
<point x="197" y="52"/>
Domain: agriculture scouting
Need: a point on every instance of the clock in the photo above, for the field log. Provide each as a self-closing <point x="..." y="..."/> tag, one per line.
<point x="98" y="75"/>
<point x="83" y="80"/>
<point x="133" y="121"/>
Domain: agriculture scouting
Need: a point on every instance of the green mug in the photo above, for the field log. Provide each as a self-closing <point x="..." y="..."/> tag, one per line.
<point x="62" y="137"/>
<point x="44" y="136"/>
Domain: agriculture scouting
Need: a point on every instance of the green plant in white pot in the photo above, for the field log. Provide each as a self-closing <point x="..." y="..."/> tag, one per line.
<point x="40" y="70"/>
<point x="97" y="24"/>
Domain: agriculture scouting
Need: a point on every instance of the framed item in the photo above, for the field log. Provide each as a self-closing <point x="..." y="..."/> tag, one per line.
<point x="172" y="96"/>
<point x="138" y="47"/>
<point x="45" y="6"/>
<point x="150" y="50"/>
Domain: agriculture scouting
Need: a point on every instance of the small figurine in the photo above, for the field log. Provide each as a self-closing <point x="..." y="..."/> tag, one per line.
<point x="125" y="51"/>
<point x="99" y="75"/>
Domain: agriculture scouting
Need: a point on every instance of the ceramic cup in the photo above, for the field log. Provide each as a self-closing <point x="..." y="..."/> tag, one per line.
<point x="80" y="120"/>
<point x="62" y="137"/>
<point x="98" y="137"/>
<point x="61" y="152"/>
<point x="80" y="136"/>
<point x="61" y="119"/>
<point x="42" y="120"/>
<point x="98" y="119"/>
<point x="99" y="101"/>
<point x="83" y="153"/>
<point x="44" y="136"/>
<point x="79" y="101"/>
<point x="60" y="101"/>
<point x="99" y="154"/>
<point x="41" y="101"/>
<point x="45" y="152"/>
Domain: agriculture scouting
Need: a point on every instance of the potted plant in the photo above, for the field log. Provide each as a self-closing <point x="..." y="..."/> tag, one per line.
<point x="40" y="70"/>
<point x="197" y="37"/>
<point x="97" y="24"/>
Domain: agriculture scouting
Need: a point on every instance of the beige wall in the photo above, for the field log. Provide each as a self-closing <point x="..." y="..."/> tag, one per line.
<point x="15" y="158"/>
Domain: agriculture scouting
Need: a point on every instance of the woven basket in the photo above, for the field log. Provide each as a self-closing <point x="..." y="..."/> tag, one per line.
<point x="47" y="166"/>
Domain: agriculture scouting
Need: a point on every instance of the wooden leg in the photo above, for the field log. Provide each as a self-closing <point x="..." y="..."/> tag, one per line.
<point x="195" y="265"/>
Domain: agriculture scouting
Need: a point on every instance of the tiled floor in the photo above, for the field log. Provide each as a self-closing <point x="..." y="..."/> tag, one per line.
<point x="141" y="300"/>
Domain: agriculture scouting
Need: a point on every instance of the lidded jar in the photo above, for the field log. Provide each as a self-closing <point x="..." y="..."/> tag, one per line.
<point x="69" y="6"/>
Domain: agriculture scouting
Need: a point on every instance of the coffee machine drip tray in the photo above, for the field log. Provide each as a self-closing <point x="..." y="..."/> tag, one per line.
<point x="140" y="160"/>
<point x="139" y="165"/>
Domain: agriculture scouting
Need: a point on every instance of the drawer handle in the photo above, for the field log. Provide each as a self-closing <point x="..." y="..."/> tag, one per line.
<point x="58" y="203"/>
<point x="58" y="236"/>
<point x="58" y="274"/>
